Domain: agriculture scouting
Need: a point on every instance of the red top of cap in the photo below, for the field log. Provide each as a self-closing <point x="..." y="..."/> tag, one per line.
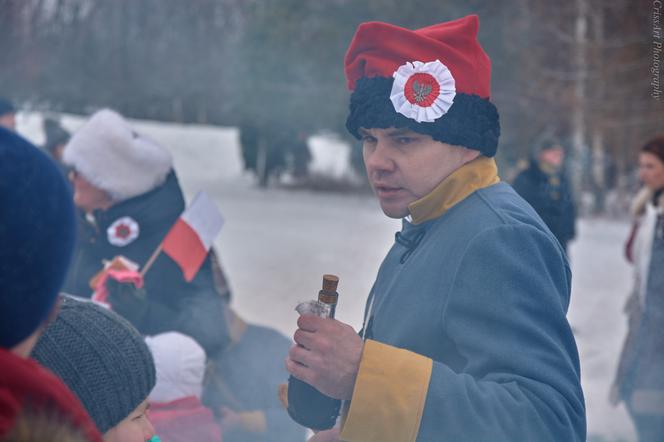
<point x="23" y="381"/>
<point x="378" y="49"/>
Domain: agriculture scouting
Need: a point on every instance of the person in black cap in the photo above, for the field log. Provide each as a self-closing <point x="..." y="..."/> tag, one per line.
<point x="544" y="185"/>
<point x="106" y="363"/>
<point x="7" y="114"/>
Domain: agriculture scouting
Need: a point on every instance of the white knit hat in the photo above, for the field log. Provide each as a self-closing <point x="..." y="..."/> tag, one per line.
<point x="180" y="364"/>
<point x="113" y="157"/>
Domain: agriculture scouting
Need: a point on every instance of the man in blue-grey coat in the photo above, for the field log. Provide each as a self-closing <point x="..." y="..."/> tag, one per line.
<point x="465" y="335"/>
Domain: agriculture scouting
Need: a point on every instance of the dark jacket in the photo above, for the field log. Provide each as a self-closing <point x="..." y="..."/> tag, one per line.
<point x="249" y="373"/>
<point x="551" y="197"/>
<point x="173" y="304"/>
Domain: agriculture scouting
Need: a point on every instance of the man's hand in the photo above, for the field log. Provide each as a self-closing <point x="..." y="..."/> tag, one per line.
<point x="251" y="421"/>
<point x="326" y="355"/>
<point x="230" y="419"/>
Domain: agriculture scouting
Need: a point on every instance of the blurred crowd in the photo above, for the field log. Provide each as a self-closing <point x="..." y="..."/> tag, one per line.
<point x="97" y="349"/>
<point x="167" y="356"/>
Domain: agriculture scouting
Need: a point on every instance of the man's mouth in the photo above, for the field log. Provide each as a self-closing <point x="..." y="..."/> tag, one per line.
<point x="386" y="191"/>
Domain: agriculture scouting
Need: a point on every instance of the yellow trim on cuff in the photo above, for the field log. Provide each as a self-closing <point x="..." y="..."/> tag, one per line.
<point x="389" y="395"/>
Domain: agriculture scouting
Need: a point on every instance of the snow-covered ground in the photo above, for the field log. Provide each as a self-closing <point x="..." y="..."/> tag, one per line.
<point x="276" y="245"/>
<point x="600" y="284"/>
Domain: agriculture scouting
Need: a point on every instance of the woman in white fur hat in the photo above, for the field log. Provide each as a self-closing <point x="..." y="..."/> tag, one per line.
<point x="129" y="197"/>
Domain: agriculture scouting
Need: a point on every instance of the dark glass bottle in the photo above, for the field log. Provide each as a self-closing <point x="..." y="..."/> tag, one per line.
<point x="306" y="405"/>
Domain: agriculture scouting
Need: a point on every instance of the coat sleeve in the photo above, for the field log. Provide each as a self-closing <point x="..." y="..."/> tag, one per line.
<point x="520" y="381"/>
<point x="194" y="308"/>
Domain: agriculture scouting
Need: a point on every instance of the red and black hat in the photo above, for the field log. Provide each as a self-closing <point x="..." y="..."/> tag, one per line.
<point x="435" y="80"/>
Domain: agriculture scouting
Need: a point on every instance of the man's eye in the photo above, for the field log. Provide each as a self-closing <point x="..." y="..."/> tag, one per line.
<point x="405" y="140"/>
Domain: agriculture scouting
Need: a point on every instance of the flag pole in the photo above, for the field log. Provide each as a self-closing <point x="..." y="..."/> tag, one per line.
<point x="152" y="259"/>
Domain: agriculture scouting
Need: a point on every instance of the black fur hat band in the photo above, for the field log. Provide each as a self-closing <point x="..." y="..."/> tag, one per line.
<point x="471" y="121"/>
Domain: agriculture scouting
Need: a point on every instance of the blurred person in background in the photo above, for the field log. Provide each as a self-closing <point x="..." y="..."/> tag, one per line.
<point x="106" y="363"/>
<point x="176" y="409"/>
<point x="37" y="233"/>
<point x="56" y="138"/>
<point x="544" y="185"/>
<point x="636" y="210"/>
<point x="7" y="114"/>
<point x="244" y="382"/>
<point x="129" y="197"/>
<point x="640" y="377"/>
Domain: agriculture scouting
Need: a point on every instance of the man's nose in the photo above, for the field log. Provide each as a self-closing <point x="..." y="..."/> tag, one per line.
<point x="380" y="160"/>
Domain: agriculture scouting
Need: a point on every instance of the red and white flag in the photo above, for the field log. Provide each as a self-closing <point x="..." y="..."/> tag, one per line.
<point x="192" y="235"/>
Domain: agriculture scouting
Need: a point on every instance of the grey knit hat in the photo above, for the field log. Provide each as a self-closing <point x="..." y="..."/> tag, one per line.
<point x="100" y="357"/>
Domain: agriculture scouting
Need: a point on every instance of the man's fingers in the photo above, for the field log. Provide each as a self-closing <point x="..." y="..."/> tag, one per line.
<point x="304" y="338"/>
<point x="309" y="323"/>
<point x="299" y="355"/>
<point x="299" y="371"/>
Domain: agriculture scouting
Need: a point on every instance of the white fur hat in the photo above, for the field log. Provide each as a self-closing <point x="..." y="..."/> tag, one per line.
<point x="180" y="364"/>
<point x="114" y="158"/>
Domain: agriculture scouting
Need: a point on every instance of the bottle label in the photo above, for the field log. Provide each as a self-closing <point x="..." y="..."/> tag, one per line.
<point x="314" y="307"/>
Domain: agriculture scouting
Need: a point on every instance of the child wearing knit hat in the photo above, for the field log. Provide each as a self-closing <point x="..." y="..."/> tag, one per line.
<point x="106" y="363"/>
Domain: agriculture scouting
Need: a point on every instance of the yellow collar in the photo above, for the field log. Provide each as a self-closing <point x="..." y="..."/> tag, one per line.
<point x="477" y="174"/>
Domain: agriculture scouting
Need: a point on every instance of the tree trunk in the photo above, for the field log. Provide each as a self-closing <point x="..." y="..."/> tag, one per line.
<point x="580" y="163"/>
<point x="598" y="169"/>
<point x="261" y="163"/>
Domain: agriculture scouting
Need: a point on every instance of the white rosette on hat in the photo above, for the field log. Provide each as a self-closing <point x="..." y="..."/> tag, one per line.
<point x="423" y="92"/>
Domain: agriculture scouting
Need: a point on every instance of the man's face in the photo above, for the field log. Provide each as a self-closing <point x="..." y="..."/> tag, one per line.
<point x="553" y="156"/>
<point x="404" y="166"/>
<point x="8" y="121"/>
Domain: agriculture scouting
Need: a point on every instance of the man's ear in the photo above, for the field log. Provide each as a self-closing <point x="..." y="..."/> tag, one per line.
<point x="24" y="348"/>
<point x="470" y="154"/>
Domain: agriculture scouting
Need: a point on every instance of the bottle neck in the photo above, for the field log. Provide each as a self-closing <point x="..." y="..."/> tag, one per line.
<point x="329" y="298"/>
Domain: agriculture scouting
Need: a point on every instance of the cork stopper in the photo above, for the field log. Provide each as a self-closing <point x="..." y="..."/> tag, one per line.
<point x="330" y="283"/>
<point x="329" y="293"/>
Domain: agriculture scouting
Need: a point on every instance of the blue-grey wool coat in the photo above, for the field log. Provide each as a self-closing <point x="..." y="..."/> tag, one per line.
<point x="483" y="291"/>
